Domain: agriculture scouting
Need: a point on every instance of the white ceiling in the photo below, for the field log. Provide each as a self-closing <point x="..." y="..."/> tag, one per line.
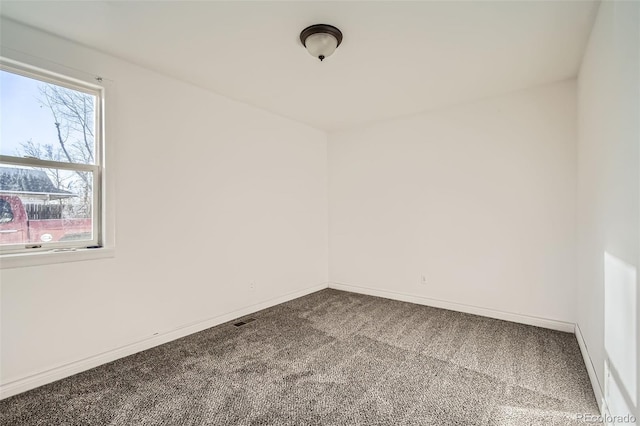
<point x="397" y="58"/>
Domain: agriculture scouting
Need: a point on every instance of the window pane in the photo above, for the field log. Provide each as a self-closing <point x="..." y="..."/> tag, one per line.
<point x="42" y="205"/>
<point x="46" y="121"/>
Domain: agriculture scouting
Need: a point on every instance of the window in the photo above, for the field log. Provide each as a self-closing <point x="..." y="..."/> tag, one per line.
<point x="6" y="213"/>
<point x="50" y="161"/>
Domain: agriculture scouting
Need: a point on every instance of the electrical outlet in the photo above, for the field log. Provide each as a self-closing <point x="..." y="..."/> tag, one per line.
<point x="252" y="285"/>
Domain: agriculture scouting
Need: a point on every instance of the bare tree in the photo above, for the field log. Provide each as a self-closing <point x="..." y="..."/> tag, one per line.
<point x="73" y="115"/>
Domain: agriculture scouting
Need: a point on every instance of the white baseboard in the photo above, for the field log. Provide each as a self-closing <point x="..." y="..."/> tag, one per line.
<point x="453" y="306"/>
<point x="593" y="377"/>
<point x="57" y="373"/>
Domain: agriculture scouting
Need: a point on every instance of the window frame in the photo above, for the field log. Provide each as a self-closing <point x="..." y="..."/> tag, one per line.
<point x="10" y="252"/>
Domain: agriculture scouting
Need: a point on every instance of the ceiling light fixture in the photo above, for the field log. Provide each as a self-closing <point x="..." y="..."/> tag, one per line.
<point x="321" y="40"/>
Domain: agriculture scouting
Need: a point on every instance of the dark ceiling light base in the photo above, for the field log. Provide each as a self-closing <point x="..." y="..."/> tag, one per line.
<point x="326" y="39"/>
<point x="320" y="28"/>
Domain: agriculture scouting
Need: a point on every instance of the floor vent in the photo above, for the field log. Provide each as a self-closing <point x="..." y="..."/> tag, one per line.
<point x="244" y="322"/>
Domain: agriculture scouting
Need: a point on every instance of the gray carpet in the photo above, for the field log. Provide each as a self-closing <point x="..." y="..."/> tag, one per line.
<point x="331" y="358"/>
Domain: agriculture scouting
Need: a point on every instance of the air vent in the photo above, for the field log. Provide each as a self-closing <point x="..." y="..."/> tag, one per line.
<point x="244" y="322"/>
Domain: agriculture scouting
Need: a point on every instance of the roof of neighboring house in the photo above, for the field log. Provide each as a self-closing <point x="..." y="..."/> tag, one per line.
<point x="29" y="182"/>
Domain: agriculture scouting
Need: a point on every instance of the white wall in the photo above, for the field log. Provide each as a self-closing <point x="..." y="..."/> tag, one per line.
<point x="608" y="202"/>
<point x="479" y="198"/>
<point x="210" y="194"/>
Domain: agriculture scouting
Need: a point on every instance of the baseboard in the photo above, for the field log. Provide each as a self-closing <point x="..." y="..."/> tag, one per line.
<point x="593" y="377"/>
<point x="453" y="306"/>
<point x="30" y="382"/>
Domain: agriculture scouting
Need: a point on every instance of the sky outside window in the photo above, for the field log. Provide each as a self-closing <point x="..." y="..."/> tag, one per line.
<point x="22" y="116"/>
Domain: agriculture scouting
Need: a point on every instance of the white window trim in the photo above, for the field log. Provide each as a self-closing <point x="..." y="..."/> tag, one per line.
<point x="104" y="203"/>
<point x="21" y="260"/>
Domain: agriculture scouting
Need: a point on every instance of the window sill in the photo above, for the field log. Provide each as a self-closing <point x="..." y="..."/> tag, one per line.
<point x="22" y="260"/>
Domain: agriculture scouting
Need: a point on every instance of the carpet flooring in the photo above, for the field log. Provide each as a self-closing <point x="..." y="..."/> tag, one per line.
<point x="331" y="358"/>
